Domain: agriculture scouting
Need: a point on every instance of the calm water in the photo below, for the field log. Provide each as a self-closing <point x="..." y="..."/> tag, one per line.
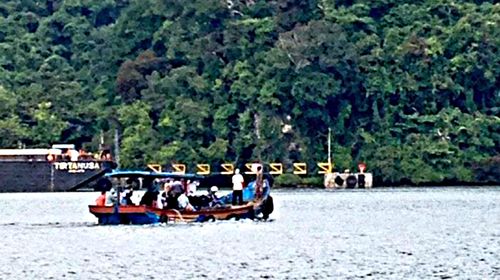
<point x="316" y="234"/>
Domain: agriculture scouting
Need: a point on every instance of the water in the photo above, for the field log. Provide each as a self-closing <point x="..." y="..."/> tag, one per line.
<point x="431" y="233"/>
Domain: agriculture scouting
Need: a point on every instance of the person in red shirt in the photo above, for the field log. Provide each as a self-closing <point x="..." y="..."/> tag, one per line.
<point x="101" y="200"/>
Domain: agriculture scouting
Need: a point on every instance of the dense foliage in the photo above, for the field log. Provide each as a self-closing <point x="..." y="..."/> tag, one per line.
<point x="409" y="87"/>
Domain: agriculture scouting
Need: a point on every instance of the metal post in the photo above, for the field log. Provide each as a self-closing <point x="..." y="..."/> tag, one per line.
<point x="52" y="174"/>
<point x="102" y="138"/>
<point x="257" y="134"/>
<point x="117" y="149"/>
<point x="329" y="146"/>
<point x="117" y="202"/>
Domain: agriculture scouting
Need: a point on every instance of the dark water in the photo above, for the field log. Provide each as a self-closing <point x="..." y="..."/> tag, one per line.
<point x="432" y="233"/>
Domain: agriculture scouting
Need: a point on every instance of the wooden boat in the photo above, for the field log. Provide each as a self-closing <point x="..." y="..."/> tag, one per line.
<point x="143" y="214"/>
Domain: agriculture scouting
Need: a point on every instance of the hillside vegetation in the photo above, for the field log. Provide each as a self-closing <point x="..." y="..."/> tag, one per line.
<point x="409" y="87"/>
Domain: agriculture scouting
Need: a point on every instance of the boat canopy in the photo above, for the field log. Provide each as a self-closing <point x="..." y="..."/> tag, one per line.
<point x="151" y="174"/>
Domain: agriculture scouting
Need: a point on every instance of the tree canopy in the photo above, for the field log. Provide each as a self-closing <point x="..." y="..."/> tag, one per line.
<point x="409" y="87"/>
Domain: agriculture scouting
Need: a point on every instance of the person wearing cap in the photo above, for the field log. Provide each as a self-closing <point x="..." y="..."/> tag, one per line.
<point x="237" y="188"/>
<point x="212" y="196"/>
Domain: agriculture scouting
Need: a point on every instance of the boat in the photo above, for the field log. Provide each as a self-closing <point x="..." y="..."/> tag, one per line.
<point x="56" y="169"/>
<point x="254" y="208"/>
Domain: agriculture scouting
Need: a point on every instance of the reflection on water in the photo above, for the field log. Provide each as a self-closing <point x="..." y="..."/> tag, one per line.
<point x="315" y="234"/>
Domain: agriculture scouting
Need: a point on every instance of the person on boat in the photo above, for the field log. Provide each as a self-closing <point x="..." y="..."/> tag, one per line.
<point x="177" y="188"/>
<point x="151" y="195"/>
<point x="237" y="188"/>
<point x="83" y="155"/>
<point x="73" y="154"/>
<point x="171" y="201"/>
<point x="105" y="155"/>
<point x="101" y="200"/>
<point x="127" y="197"/>
<point x="184" y="204"/>
<point x="191" y="187"/>
<point x="65" y="155"/>
<point x="259" y="182"/>
<point x="132" y="184"/>
<point x="112" y="197"/>
<point x="108" y="157"/>
<point x="123" y="201"/>
<point x="164" y="193"/>
<point x="214" y="200"/>
<point x="168" y="184"/>
<point x="168" y="197"/>
<point x="184" y="185"/>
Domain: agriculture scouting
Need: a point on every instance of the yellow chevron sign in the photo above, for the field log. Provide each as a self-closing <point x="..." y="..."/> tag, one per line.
<point x="325" y="167"/>
<point x="179" y="168"/>
<point x="249" y="169"/>
<point x="228" y="168"/>
<point x="299" y="168"/>
<point x="203" y="169"/>
<point x="276" y="168"/>
<point x="155" y="167"/>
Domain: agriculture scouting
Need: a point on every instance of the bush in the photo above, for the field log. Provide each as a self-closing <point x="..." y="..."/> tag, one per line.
<point x="287" y="180"/>
<point x="316" y="181"/>
<point x="292" y="180"/>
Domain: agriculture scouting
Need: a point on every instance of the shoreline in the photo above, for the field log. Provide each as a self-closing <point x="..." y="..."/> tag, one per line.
<point x="315" y="187"/>
<point x="493" y="185"/>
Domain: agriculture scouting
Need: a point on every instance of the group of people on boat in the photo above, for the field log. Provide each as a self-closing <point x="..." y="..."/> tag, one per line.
<point x="71" y="154"/>
<point x="175" y="194"/>
<point x="182" y="194"/>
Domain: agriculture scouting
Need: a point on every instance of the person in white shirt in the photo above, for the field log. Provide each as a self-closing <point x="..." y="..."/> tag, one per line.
<point x="237" y="188"/>
<point x="184" y="204"/>
<point x="74" y="155"/>
<point x="191" y="187"/>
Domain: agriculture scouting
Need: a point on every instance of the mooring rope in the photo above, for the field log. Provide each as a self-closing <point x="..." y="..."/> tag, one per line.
<point x="178" y="214"/>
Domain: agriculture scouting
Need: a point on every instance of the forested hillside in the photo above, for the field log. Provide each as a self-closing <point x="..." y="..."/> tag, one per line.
<point x="412" y="88"/>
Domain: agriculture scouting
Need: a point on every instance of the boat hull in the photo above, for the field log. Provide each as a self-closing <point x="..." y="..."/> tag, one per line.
<point x="136" y="215"/>
<point x="149" y="215"/>
<point x="45" y="176"/>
